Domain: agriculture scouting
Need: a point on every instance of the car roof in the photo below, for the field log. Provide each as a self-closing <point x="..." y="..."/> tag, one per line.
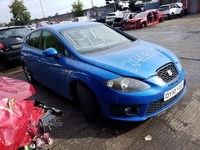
<point x="11" y="27"/>
<point x="149" y="10"/>
<point x="70" y="25"/>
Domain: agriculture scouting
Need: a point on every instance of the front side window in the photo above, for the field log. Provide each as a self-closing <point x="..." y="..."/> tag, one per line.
<point x="161" y="8"/>
<point x="176" y="6"/>
<point x="49" y="40"/>
<point x="34" y="39"/>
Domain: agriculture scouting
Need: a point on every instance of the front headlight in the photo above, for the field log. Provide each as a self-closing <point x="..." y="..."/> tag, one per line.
<point x="127" y="85"/>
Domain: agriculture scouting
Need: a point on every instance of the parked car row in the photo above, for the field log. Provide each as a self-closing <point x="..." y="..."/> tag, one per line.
<point x="130" y="20"/>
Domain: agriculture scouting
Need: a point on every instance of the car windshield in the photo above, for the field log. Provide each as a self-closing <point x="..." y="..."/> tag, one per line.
<point x="111" y="14"/>
<point x="140" y="15"/>
<point x="13" y="32"/>
<point x="163" y="7"/>
<point x="94" y="38"/>
<point x="84" y="19"/>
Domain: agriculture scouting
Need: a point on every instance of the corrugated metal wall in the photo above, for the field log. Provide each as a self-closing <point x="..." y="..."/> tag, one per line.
<point x="193" y="6"/>
<point x="153" y="5"/>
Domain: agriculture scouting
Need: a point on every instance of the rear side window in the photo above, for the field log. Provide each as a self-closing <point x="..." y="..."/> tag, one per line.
<point x="111" y="14"/>
<point x="34" y="39"/>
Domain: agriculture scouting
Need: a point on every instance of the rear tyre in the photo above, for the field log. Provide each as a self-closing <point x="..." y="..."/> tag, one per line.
<point x="28" y="74"/>
<point x="88" y="103"/>
<point x="142" y="25"/>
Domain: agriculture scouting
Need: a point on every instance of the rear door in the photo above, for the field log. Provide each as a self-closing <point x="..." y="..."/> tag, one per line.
<point x="30" y="53"/>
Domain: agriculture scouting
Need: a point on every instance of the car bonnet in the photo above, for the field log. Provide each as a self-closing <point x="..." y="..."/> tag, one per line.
<point x="140" y="59"/>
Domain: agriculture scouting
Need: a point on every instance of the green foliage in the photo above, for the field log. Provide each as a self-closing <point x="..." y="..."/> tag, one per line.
<point x="20" y="13"/>
<point x="77" y="8"/>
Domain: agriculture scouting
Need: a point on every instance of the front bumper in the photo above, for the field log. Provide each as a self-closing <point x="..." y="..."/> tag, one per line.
<point x="146" y="104"/>
<point x="131" y="25"/>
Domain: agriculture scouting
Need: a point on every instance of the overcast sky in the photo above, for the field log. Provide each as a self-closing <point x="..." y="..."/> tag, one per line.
<point x="50" y="7"/>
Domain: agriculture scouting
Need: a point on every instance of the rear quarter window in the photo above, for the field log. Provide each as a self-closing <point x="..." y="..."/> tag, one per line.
<point x="33" y="39"/>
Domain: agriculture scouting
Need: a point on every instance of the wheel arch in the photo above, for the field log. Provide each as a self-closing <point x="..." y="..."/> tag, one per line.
<point x="74" y="91"/>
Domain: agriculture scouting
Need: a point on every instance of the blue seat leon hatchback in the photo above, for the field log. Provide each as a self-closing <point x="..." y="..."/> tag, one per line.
<point x="109" y="72"/>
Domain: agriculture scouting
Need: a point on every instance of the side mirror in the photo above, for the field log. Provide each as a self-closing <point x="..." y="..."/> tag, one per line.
<point x="50" y="52"/>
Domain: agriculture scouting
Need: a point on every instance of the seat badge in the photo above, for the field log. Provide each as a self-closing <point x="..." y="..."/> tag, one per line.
<point x="169" y="72"/>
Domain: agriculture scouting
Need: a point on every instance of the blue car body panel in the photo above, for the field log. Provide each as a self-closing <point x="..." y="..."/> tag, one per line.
<point x="138" y="60"/>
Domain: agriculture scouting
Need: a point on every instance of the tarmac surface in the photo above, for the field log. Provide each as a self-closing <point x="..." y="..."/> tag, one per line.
<point x="178" y="128"/>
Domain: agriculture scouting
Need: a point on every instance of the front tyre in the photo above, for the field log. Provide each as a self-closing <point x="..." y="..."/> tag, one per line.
<point x="171" y="16"/>
<point x="181" y="14"/>
<point x="88" y="102"/>
<point x="142" y="25"/>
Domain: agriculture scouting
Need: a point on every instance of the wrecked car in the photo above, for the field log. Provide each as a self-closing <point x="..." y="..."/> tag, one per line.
<point x="23" y="121"/>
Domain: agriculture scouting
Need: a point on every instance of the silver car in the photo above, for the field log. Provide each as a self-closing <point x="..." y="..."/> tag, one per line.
<point x="111" y="16"/>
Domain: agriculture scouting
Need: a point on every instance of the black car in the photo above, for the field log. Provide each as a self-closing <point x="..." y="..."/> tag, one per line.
<point x="119" y="21"/>
<point x="11" y="39"/>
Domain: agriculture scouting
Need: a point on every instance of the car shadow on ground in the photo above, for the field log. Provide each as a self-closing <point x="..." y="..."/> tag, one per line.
<point x="74" y="123"/>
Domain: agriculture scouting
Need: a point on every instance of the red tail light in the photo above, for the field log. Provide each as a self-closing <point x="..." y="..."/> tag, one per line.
<point x="1" y="46"/>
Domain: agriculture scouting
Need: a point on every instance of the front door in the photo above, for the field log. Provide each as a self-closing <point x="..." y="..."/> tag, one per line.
<point x="55" y="71"/>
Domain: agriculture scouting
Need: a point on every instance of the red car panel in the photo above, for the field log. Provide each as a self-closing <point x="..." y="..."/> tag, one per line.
<point x="20" y="121"/>
<point x="15" y="88"/>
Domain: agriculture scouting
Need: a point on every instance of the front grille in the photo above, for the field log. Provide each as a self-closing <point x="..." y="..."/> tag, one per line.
<point x="159" y="104"/>
<point x="168" y="72"/>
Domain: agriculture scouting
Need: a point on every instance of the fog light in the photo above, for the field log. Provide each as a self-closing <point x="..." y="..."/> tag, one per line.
<point x="131" y="111"/>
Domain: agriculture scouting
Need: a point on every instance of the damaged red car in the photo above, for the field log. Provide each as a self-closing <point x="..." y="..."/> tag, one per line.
<point x="23" y="121"/>
<point x="144" y="19"/>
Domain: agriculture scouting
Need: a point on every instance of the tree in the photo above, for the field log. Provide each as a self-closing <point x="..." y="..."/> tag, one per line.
<point x="77" y="8"/>
<point x="108" y="2"/>
<point x="20" y="13"/>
